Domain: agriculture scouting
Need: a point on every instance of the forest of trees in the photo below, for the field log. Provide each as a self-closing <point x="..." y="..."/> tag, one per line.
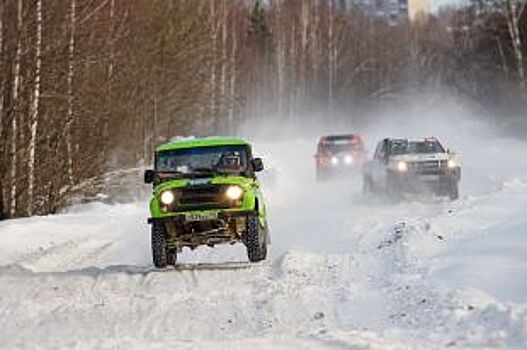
<point x="93" y="85"/>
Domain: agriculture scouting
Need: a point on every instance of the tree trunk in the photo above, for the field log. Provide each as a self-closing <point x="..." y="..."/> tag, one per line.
<point x="14" y="120"/>
<point x="232" y="102"/>
<point x="213" y="78"/>
<point x="504" y="66"/>
<point x="514" y="10"/>
<point x="2" y="83"/>
<point x="70" y="118"/>
<point x="34" y="111"/>
<point x="280" y="59"/>
<point x="303" y="72"/>
<point x="224" y="57"/>
<point x="331" y="56"/>
<point x="2" y="136"/>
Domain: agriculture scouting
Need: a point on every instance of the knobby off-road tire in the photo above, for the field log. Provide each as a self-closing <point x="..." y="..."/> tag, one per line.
<point x="255" y="240"/>
<point x="159" y="252"/>
<point x="171" y="257"/>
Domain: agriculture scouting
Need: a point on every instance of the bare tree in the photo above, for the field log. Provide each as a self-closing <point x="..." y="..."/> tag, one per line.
<point x="71" y="74"/>
<point x="14" y="121"/>
<point x="34" y="111"/>
<point x="513" y="10"/>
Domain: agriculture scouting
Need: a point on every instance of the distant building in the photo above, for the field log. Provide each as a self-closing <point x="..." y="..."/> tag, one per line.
<point x="417" y="9"/>
<point x="393" y="11"/>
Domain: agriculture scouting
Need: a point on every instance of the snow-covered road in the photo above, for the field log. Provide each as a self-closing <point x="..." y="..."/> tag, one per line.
<point x="345" y="272"/>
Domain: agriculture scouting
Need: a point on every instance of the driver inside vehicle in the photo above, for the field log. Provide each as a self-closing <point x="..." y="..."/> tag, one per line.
<point x="230" y="163"/>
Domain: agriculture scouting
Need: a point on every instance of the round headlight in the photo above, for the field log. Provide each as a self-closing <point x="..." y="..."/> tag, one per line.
<point x="334" y="160"/>
<point x="402" y="166"/>
<point x="348" y="159"/>
<point x="167" y="197"/>
<point x="234" y="192"/>
<point x="452" y="163"/>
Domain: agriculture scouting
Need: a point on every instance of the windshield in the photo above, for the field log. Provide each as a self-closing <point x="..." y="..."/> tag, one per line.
<point x="224" y="159"/>
<point x="340" y="146"/>
<point x="416" y="147"/>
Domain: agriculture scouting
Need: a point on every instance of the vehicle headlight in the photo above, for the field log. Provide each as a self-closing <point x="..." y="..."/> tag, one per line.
<point x="348" y="159"/>
<point x="452" y="163"/>
<point x="402" y="166"/>
<point x="334" y="160"/>
<point x="167" y="197"/>
<point x="234" y="192"/>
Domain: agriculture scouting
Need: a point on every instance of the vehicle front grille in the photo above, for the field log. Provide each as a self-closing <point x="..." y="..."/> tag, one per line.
<point x="428" y="167"/>
<point x="203" y="197"/>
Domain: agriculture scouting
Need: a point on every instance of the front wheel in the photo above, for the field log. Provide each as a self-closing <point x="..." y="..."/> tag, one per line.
<point x="159" y="254"/>
<point x="172" y="257"/>
<point x="255" y="240"/>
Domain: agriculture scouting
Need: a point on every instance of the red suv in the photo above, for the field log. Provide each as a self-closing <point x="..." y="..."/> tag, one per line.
<point x="339" y="154"/>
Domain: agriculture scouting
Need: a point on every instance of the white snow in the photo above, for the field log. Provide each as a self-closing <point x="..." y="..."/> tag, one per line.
<point x="345" y="272"/>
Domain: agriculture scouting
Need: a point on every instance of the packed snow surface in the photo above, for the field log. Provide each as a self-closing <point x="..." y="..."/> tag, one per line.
<point x="345" y="272"/>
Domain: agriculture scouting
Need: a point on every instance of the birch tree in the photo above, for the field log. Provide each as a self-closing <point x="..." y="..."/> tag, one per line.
<point x="513" y="11"/>
<point x="71" y="74"/>
<point x="14" y="121"/>
<point x="34" y="111"/>
<point x="332" y="55"/>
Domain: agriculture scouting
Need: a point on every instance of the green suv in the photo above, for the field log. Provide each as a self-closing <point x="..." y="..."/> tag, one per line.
<point x="206" y="193"/>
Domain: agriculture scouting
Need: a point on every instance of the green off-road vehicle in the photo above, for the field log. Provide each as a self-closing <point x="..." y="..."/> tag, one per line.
<point x="206" y="193"/>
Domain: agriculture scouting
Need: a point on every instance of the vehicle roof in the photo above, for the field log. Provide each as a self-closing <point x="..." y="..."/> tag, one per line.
<point x="339" y="137"/>
<point x="202" y="142"/>
<point x="416" y="139"/>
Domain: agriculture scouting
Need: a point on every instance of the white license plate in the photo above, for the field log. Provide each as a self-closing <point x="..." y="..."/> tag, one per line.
<point x="200" y="216"/>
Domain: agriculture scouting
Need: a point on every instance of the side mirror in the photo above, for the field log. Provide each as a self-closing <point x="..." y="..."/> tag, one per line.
<point x="149" y="176"/>
<point x="257" y="164"/>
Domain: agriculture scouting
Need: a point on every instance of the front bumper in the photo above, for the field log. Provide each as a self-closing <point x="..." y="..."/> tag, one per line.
<point x="224" y="228"/>
<point x="339" y="170"/>
<point x="181" y="216"/>
<point x="416" y="182"/>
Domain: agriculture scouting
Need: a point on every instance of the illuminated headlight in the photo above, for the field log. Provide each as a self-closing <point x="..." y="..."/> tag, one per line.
<point x="348" y="160"/>
<point x="334" y="160"/>
<point x="167" y="197"/>
<point x="402" y="167"/>
<point x="234" y="193"/>
<point x="452" y="163"/>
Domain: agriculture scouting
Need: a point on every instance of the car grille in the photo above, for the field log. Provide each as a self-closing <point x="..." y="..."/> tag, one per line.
<point x="428" y="167"/>
<point x="203" y="197"/>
